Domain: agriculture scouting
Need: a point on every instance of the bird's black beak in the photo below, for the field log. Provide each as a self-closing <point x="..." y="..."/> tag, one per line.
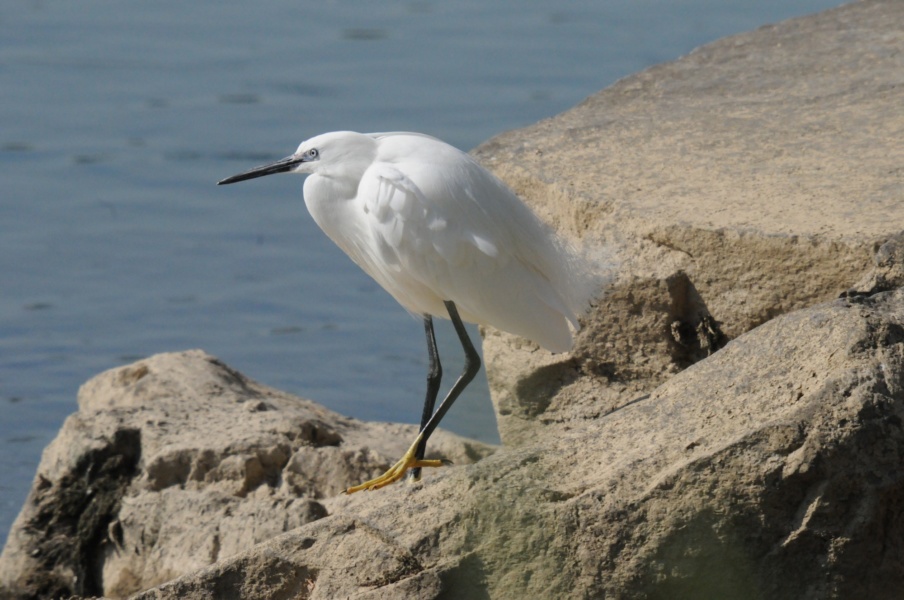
<point x="281" y="166"/>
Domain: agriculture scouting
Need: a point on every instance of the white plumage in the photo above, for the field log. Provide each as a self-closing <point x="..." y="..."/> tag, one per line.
<point x="429" y="224"/>
<point x="445" y="238"/>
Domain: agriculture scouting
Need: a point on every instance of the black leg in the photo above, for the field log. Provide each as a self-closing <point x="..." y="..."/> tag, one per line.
<point x="472" y="365"/>
<point x="434" y="377"/>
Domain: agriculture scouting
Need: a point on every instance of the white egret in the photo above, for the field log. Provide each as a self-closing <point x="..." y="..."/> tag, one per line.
<point x="445" y="238"/>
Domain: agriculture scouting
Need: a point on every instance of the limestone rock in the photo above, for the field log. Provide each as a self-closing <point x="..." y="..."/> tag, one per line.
<point x="766" y="168"/>
<point x="178" y="461"/>
<point x="888" y="269"/>
<point x="773" y="469"/>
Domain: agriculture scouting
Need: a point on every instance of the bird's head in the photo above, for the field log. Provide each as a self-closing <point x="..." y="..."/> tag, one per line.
<point x="336" y="154"/>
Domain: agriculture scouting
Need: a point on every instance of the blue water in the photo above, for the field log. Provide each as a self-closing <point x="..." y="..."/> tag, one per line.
<point x="117" y="118"/>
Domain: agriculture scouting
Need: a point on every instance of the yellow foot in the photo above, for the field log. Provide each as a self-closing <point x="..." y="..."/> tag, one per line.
<point x="398" y="470"/>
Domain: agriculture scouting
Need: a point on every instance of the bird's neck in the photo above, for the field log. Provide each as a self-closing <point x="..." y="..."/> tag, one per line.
<point x="323" y="188"/>
<point x="330" y="201"/>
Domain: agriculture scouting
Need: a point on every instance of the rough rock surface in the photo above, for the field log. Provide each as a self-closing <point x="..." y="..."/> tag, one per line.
<point x="764" y="168"/>
<point x="746" y="186"/>
<point x="774" y="469"/>
<point x="176" y="461"/>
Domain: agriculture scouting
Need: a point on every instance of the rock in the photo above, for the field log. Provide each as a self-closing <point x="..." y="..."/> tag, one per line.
<point x="643" y="331"/>
<point x="887" y="272"/>
<point x="765" y="168"/>
<point x="773" y="469"/>
<point x="177" y="461"/>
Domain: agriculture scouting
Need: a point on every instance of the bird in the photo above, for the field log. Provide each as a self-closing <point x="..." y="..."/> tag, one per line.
<point x="444" y="237"/>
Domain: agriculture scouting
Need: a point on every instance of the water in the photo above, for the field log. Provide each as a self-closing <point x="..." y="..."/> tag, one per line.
<point x="117" y="119"/>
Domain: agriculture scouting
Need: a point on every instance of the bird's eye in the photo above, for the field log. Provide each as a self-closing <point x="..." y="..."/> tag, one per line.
<point x="312" y="154"/>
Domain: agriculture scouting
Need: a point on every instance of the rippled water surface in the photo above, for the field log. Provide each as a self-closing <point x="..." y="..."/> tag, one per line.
<point x="117" y="118"/>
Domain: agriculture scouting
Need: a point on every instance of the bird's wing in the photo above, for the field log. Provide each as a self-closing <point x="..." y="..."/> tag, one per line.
<point x="443" y="228"/>
<point x="426" y="251"/>
<point x="433" y="223"/>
